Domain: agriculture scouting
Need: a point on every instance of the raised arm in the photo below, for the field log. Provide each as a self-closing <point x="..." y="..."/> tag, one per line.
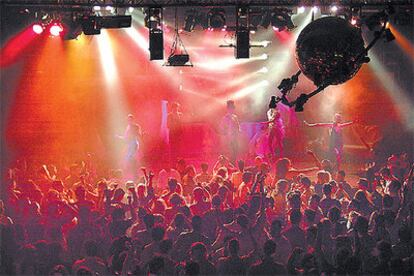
<point x="346" y="124"/>
<point x="318" y="124"/>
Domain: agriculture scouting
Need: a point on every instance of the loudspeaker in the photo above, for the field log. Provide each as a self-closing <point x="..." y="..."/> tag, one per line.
<point x="156" y="44"/>
<point x="242" y="44"/>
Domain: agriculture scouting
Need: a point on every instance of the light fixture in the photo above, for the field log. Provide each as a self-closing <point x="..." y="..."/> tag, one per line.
<point x="282" y="20"/>
<point x="216" y="18"/>
<point x="91" y="25"/>
<point x="37" y="28"/>
<point x="55" y="28"/>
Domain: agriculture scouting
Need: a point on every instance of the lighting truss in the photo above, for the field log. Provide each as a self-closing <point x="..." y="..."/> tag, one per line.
<point x="187" y="3"/>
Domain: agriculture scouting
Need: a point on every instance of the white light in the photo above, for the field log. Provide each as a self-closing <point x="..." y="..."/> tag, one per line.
<point x="263" y="70"/>
<point x="353" y="21"/>
<point x="96" y="8"/>
<point x="264" y="83"/>
<point x="315" y="9"/>
<point x="110" y="8"/>
<point x="334" y="8"/>
<point x="301" y="9"/>
<point x="265" y="43"/>
<point x="264" y="56"/>
<point x="37" y="28"/>
<point x="131" y="9"/>
<point x="252" y="31"/>
<point x="55" y="29"/>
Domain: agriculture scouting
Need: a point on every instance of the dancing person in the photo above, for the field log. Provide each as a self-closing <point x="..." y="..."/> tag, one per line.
<point x="230" y="127"/>
<point x="275" y="129"/>
<point x="132" y="137"/>
<point x="175" y="131"/>
<point x="336" y="142"/>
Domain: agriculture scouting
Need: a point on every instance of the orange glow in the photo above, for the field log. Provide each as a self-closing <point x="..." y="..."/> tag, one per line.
<point x="403" y="42"/>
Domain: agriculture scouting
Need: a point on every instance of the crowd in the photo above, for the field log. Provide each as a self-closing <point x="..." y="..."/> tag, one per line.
<point x="249" y="218"/>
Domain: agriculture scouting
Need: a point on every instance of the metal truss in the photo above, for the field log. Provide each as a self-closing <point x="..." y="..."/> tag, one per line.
<point x="187" y="3"/>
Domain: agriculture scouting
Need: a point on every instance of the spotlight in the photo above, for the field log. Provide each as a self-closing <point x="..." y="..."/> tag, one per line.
<point x="282" y="20"/>
<point x="37" y="28"/>
<point x="130" y="9"/>
<point x="96" y="8"/>
<point x="334" y="8"/>
<point x="301" y="9"/>
<point x="72" y="29"/>
<point x="375" y="20"/>
<point x="55" y="29"/>
<point x="255" y="17"/>
<point x="110" y="8"/>
<point x="354" y="21"/>
<point x="91" y="25"/>
<point x="190" y="22"/>
<point x="315" y="9"/>
<point x="216" y="18"/>
<point x="388" y="35"/>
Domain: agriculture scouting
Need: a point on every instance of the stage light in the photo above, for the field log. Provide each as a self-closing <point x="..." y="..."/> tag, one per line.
<point x="388" y="35"/>
<point x="334" y="8"/>
<point x="281" y="19"/>
<point x="224" y="28"/>
<point x="91" y="25"/>
<point x="276" y="29"/>
<point x="110" y="8"/>
<point x="130" y="9"/>
<point x="301" y="9"/>
<point x="72" y="29"/>
<point x="354" y="21"/>
<point x="37" y="28"/>
<point x="315" y="9"/>
<point x="96" y="8"/>
<point x="55" y="29"/>
<point x="375" y="20"/>
<point x="216" y="18"/>
<point x="190" y="21"/>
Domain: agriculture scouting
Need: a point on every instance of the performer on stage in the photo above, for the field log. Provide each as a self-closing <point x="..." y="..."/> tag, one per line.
<point x="230" y="127"/>
<point x="174" y="124"/>
<point x="131" y="137"/>
<point x="336" y="142"/>
<point x="276" y="131"/>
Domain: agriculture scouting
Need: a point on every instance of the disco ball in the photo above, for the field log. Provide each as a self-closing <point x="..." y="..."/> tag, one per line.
<point x="328" y="51"/>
